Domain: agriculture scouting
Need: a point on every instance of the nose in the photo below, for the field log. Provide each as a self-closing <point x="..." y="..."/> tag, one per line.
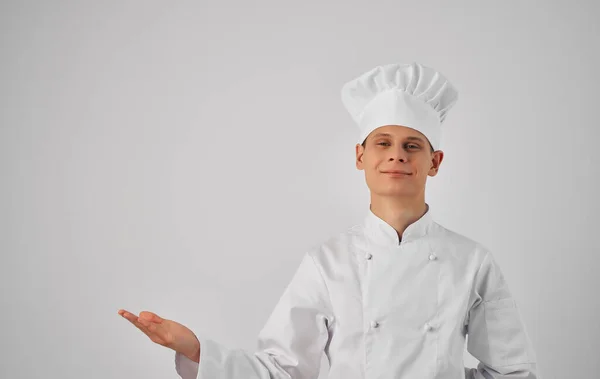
<point x="399" y="153"/>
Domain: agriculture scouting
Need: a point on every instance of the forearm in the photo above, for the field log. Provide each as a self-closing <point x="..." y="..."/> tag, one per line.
<point x="219" y="361"/>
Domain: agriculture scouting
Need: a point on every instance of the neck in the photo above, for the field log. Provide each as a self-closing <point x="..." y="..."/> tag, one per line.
<point x="398" y="212"/>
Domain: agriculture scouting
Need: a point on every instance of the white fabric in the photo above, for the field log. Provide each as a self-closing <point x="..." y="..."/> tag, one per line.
<point x="411" y="95"/>
<point x="386" y="308"/>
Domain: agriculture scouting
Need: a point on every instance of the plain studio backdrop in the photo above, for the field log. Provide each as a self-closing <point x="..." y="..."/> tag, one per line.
<point x="180" y="157"/>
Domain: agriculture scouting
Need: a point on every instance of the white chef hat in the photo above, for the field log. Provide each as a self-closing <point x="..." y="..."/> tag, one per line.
<point x="407" y="94"/>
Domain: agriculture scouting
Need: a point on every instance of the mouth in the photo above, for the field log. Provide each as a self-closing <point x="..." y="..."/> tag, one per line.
<point x="397" y="173"/>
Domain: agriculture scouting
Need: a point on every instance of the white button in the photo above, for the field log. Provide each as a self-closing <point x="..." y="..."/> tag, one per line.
<point x="432" y="257"/>
<point x="427" y="326"/>
<point x="374" y="324"/>
<point x="368" y="256"/>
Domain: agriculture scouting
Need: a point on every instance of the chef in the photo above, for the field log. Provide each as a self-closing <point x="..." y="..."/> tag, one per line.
<point x="397" y="295"/>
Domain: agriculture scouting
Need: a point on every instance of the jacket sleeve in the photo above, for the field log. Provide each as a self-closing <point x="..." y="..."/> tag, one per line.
<point x="290" y="345"/>
<point x="497" y="336"/>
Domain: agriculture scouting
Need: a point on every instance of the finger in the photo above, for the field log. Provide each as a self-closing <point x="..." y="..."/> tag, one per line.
<point x="143" y="327"/>
<point x="145" y="323"/>
<point x="135" y="320"/>
<point x="146" y="315"/>
<point x="128" y="315"/>
<point x="149" y="328"/>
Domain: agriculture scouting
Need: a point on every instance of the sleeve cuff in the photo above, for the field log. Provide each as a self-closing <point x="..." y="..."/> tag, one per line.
<point x="185" y="367"/>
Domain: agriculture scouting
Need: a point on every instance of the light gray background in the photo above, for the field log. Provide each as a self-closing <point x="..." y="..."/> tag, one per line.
<point x="180" y="157"/>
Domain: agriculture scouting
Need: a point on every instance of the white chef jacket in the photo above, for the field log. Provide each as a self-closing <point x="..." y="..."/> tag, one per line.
<point x="384" y="307"/>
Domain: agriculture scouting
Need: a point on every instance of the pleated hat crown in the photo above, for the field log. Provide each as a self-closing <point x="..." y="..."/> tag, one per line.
<point x="407" y="94"/>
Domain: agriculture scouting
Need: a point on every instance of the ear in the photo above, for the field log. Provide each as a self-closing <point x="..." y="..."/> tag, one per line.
<point x="436" y="161"/>
<point x="360" y="150"/>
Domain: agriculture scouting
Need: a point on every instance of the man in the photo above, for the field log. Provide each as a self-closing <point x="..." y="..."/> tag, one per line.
<point x="394" y="296"/>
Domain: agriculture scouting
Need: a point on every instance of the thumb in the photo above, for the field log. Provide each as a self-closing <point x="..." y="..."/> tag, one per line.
<point x="146" y="315"/>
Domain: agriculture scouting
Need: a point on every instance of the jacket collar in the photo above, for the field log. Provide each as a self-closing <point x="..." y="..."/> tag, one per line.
<point x="382" y="233"/>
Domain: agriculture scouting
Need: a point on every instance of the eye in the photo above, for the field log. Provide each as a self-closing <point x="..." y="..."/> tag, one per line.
<point x="383" y="143"/>
<point x="411" y="144"/>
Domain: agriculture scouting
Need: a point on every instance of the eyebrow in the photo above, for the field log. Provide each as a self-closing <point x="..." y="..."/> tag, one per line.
<point x="412" y="138"/>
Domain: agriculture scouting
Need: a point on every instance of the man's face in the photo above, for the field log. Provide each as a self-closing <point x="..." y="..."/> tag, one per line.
<point x="397" y="148"/>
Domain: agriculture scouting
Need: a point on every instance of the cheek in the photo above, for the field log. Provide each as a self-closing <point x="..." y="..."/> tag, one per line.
<point x="423" y="167"/>
<point x="372" y="173"/>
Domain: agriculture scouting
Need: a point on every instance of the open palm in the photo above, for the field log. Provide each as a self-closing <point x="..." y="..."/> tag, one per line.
<point x="165" y="332"/>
